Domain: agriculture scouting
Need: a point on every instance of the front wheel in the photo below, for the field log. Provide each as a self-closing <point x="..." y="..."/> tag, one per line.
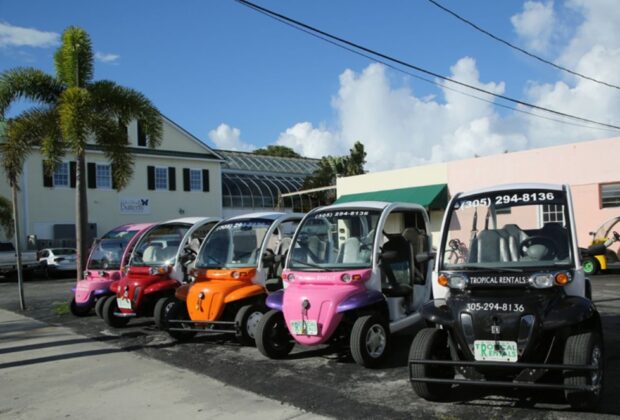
<point x="159" y="313"/>
<point x="590" y="265"/>
<point x="272" y="337"/>
<point x="584" y="349"/>
<point x="430" y="343"/>
<point x="99" y="305"/>
<point x="369" y="340"/>
<point x="78" y="310"/>
<point x="175" y="309"/>
<point x="246" y="321"/>
<point x="109" y="308"/>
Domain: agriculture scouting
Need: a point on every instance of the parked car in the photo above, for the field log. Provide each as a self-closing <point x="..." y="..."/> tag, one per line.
<point x="58" y="261"/>
<point x="519" y="312"/>
<point x="8" y="261"/>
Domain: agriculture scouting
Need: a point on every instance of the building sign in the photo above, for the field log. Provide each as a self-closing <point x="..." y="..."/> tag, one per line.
<point x="135" y="205"/>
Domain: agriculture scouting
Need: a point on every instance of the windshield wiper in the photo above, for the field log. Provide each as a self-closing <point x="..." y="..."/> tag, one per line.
<point x="311" y="265"/>
<point x="477" y="267"/>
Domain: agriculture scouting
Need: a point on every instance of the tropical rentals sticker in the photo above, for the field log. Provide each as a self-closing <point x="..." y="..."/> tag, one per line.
<point x="139" y="205"/>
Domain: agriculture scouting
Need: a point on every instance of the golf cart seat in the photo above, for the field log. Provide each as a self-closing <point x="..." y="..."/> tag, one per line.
<point x="490" y="246"/>
<point x="418" y="242"/>
<point x="396" y="279"/>
<point x="150" y="253"/>
<point x="558" y="234"/>
<point x="515" y="236"/>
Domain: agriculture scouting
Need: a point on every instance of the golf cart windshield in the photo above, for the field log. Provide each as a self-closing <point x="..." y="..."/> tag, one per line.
<point x="159" y="246"/>
<point x="120" y="234"/>
<point x="526" y="228"/>
<point x="605" y="231"/>
<point x="234" y="244"/>
<point x="335" y="239"/>
<point x="107" y="254"/>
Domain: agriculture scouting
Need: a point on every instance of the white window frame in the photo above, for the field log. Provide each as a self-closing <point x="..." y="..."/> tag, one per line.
<point x="66" y="165"/>
<point x="555" y="212"/>
<point x="102" y="165"/>
<point x="191" y="187"/>
<point x="165" y="169"/>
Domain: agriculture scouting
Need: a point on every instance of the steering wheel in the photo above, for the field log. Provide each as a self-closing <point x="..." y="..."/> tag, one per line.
<point x="538" y="248"/>
<point x="616" y="236"/>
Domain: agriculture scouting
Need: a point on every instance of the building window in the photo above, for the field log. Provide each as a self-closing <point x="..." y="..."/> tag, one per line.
<point x="610" y="195"/>
<point x="195" y="180"/>
<point x="104" y="176"/>
<point x="161" y="178"/>
<point x="141" y="134"/>
<point x="61" y="176"/>
<point x="552" y="213"/>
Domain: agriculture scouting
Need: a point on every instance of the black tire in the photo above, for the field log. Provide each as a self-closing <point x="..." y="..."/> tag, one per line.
<point x="370" y="340"/>
<point x="273" y="339"/>
<point x="99" y="305"/>
<point x="176" y="309"/>
<point x="430" y="343"/>
<point x="109" y="307"/>
<point x="78" y="310"/>
<point x="584" y="349"/>
<point x="159" y="312"/>
<point x="590" y="266"/>
<point x="247" y="319"/>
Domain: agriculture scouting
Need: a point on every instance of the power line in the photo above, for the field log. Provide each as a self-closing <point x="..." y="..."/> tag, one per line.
<point x="443" y="86"/>
<point x="503" y="41"/>
<point x="301" y="26"/>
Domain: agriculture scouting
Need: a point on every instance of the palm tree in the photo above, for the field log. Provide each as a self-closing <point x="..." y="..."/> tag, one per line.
<point x="6" y="216"/>
<point x="73" y="110"/>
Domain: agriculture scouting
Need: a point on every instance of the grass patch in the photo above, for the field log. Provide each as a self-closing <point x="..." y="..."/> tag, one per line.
<point x="61" y="308"/>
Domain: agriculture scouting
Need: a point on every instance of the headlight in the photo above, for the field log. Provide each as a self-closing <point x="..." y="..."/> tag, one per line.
<point x="457" y="282"/>
<point x="348" y="278"/>
<point x="542" y="281"/>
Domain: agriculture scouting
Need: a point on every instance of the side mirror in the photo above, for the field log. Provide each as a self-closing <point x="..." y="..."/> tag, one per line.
<point x="424" y="257"/>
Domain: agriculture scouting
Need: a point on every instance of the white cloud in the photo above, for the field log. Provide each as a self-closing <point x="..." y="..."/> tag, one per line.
<point x="107" y="57"/>
<point x="535" y="24"/>
<point x="17" y="36"/>
<point x="309" y="141"/>
<point x="229" y="138"/>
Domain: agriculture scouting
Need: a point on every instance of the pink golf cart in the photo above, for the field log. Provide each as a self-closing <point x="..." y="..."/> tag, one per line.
<point x="107" y="256"/>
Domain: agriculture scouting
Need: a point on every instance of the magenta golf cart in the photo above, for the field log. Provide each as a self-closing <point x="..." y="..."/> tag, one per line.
<point x="107" y="256"/>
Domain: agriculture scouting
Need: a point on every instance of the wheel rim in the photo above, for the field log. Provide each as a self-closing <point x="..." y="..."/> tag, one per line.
<point x="252" y="323"/>
<point x="597" y="375"/>
<point x="588" y="266"/>
<point x="375" y="341"/>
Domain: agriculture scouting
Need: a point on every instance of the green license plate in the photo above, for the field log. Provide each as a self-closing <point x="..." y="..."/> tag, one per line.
<point x="304" y="327"/>
<point x="496" y="351"/>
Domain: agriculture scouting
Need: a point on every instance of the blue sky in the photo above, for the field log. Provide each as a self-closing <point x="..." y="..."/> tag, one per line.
<point x="234" y="77"/>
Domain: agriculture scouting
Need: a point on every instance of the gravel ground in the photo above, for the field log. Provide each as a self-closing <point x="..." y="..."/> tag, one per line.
<point x="319" y="380"/>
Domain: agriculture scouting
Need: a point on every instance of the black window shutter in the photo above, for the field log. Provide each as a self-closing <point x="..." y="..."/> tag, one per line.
<point x="72" y="170"/>
<point x="150" y="175"/>
<point x="141" y="134"/>
<point x="172" y="179"/>
<point x="48" y="181"/>
<point x="92" y="175"/>
<point x="186" y="179"/>
<point x="205" y="180"/>
<point x="114" y="184"/>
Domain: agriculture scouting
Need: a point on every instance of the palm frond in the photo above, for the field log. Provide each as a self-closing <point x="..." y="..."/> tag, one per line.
<point x="75" y="113"/>
<point x="111" y="135"/>
<point x="28" y="83"/>
<point x="74" y="58"/>
<point x="127" y="104"/>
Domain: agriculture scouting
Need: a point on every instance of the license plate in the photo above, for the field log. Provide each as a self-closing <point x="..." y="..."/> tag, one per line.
<point x="123" y="303"/>
<point x="304" y="327"/>
<point x="496" y="351"/>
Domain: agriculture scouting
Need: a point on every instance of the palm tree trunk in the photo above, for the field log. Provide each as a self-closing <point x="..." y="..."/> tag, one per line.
<point x="81" y="215"/>
<point x="18" y="249"/>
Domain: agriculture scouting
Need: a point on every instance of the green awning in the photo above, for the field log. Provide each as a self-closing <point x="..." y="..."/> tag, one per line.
<point x="434" y="197"/>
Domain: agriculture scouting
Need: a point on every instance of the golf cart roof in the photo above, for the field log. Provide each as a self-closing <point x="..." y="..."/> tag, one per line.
<point x="189" y="220"/>
<point x="510" y="187"/>
<point x="265" y="215"/>
<point x="373" y="205"/>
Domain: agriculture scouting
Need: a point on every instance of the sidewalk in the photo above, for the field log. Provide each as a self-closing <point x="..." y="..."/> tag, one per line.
<point x="49" y="372"/>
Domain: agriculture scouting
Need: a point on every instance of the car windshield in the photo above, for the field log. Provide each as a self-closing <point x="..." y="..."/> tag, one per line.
<point x="107" y="254"/>
<point x="159" y="246"/>
<point x="508" y="229"/>
<point x="234" y="244"/>
<point x="335" y="239"/>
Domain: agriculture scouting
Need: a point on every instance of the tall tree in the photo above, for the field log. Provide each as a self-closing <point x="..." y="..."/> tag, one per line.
<point x="6" y="216"/>
<point x="331" y="167"/>
<point x="277" y="150"/>
<point x="78" y="110"/>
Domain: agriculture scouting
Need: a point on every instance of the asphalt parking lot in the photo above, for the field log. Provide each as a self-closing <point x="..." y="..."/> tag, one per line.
<point x="319" y="380"/>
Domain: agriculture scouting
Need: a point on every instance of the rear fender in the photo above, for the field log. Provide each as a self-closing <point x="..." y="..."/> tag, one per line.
<point x="363" y="299"/>
<point x="602" y="261"/>
<point x="437" y="312"/>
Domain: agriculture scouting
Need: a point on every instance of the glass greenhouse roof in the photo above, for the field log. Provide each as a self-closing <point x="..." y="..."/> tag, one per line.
<point x="243" y="161"/>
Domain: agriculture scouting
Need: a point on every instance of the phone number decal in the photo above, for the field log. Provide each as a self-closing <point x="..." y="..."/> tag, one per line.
<point x="497" y="307"/>
<point x="505" y="199"/>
